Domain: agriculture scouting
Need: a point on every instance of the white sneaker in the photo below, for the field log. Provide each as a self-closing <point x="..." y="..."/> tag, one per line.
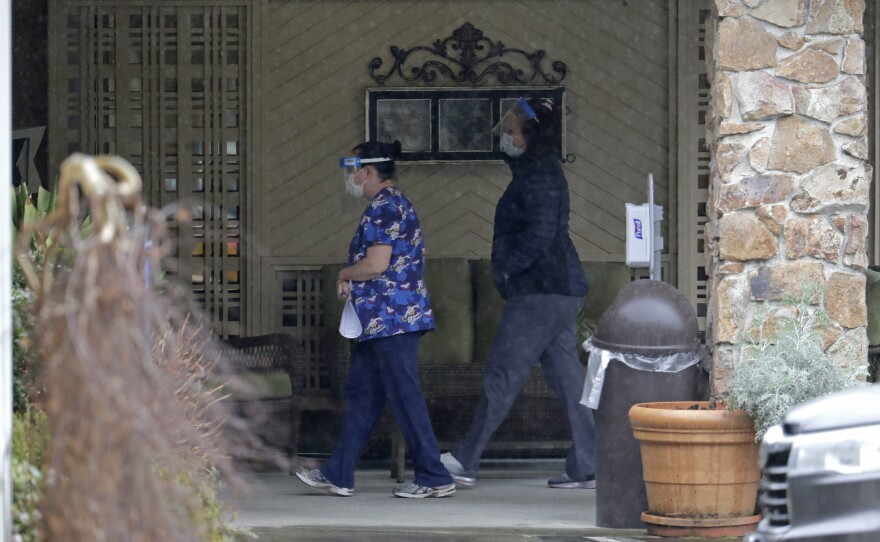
<point x="413" y="490"/>
<point x="316" y="479"/>
<point x="457" y="470"/>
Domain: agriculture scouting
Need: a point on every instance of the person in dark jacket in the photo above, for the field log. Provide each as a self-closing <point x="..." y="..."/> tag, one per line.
<point x="538" y="271"/>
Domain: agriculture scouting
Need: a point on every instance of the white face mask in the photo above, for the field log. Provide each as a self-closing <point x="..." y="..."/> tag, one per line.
<point x="508" y="148"/>
<point x="351" y="187"/>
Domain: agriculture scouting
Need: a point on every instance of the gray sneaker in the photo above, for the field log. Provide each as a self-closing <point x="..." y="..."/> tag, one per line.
<point x="413" y="490"/>
<point x="564" y="482"/>
<point x="317" y="480"/>
<point x="457" y="470"/>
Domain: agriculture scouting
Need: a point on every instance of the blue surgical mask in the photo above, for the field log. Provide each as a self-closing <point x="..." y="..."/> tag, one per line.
<point x="508" y="147"/>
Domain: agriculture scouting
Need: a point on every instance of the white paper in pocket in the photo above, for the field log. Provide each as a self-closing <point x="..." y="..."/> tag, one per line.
<point x="350" y="325"/>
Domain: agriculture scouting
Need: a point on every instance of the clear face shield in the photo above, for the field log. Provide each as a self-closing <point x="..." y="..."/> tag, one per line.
<point x="509" y="128"/>
<point x="351" y="166"/>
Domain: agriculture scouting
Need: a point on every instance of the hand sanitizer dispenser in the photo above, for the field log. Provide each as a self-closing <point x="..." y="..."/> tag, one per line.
<point x="643" y="241"/>
<point x="638" y="235"/>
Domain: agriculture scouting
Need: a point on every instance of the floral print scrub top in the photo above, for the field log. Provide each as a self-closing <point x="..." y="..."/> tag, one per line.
<point x="397" y="300"/>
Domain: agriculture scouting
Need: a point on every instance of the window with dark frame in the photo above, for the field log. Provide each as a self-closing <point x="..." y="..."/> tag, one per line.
<point x="448" y="124"/>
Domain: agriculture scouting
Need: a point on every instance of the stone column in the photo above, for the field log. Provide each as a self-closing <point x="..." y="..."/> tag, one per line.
<point x="789" y="195"/>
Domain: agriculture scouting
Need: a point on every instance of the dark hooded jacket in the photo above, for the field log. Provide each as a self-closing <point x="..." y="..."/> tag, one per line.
<point x="531" y="250"/>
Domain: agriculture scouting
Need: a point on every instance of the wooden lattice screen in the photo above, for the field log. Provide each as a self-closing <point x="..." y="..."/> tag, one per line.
<point x="301" y="317"/>
<point x="165" y="88"/>
<point x="694" y="18"/>
<point x="698" y="212"/>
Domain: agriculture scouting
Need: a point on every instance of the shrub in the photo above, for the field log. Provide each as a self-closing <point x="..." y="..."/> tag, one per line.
<point x="29" y="437"/>
<point x="24" y="358"/>
<point x="27" y="482"/>
<point x="785" y="367"/>
<point x="28" y="211"/>
<point x="217" y="514"/>
<point x="195" y="357"/>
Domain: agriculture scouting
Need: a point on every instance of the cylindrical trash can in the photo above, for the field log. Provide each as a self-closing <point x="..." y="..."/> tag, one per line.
<point x="646" y="348"/>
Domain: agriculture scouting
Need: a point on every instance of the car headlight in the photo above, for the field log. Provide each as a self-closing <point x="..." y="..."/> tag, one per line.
<point x="845" y="451"/>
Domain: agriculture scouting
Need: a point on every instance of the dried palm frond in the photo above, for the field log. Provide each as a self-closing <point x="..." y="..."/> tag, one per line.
<point x="128" y="415"/>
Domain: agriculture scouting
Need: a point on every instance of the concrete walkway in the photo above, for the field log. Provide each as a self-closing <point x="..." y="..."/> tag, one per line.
<point x="511" y="502"/>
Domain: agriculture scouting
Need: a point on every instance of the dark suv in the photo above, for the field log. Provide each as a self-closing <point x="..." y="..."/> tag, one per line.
<point x="821" y="471"/>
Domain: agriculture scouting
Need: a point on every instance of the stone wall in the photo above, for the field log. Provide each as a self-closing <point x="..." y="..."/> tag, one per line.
<point x="790" y="180"/>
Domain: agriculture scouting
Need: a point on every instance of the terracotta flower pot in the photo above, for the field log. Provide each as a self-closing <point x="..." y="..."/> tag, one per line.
<point x="700" y="467"/>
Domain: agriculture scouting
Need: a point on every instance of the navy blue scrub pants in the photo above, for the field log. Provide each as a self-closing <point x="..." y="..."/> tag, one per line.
<point x="386" y="369"/>
<point x="534" y="328"/>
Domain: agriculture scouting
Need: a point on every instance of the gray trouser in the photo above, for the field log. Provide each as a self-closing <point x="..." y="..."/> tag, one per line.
<point x="533" y="328"/>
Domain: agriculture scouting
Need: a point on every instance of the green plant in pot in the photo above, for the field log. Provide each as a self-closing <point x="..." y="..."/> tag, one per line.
<point x="700" y="459"/>
<point x="786" y="361"/>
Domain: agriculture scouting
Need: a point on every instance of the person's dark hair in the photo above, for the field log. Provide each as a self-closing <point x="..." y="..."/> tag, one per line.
<point x="378" y="149"/>
<point x="543" y="134"/>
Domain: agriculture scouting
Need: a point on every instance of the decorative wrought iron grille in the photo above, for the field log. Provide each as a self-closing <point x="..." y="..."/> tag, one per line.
<point x="469" y="57"/>
<point x="164" y="87"/>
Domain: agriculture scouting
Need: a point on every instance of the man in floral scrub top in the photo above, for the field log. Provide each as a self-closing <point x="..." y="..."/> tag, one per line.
<point x="385" y="282"/>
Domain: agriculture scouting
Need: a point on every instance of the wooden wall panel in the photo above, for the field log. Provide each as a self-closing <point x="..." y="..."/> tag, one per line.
<point x="313" y="72"/>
